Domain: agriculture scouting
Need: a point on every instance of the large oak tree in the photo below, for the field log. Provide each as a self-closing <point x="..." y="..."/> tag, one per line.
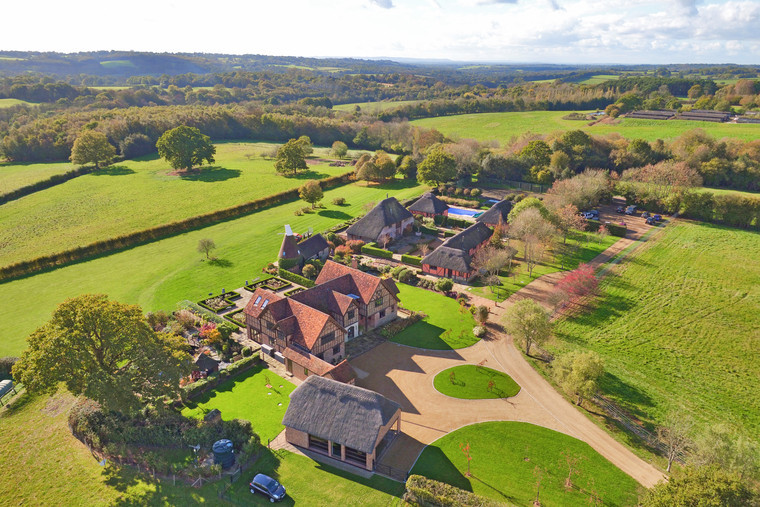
<point x="185" y="147"/>
<point x="92" y="147"/>
<point x="106" y="351"/>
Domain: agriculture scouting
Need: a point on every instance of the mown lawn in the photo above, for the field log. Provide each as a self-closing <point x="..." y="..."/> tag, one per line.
<point x="506" y="457"/>
<point x="374" y="107"/>
<point x="502" y="127"/>
<point x="519" y="276"/>
<point x="138" y="194"/>
<point x="247" y="397"/>
<point x="470" y="382"/>
<point x="13" y="102"/>
<point x="446" y="326"/>
<point x="160" y="274"/>
<point x="678" y="328"/>
<point x="43" y="464"/>
<point x="15" y="176"/>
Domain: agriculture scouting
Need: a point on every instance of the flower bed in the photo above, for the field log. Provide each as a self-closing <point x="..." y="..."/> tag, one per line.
<point x="295" y="290"/>
<point x="237" y="317"/>
<point x="273" y="283"/>
<point x="216" y="304"/>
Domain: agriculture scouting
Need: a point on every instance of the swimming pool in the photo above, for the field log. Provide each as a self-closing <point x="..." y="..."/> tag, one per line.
<point x="464" y="212"/>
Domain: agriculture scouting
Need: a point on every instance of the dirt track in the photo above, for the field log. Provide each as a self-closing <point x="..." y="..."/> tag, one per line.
<point x="405" y="374"/>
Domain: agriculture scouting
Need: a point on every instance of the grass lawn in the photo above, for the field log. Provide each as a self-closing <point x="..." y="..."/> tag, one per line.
<point x="374" y="107"/>
<point x="15" y="176"/>
<point x="503" y="127"/>
<point x="520" y="278"/>
<point x="470" y="382"/>
<point x="247" y="397"/>
<point x="159" y="274"/>
<point x="138" y="194"/>
<point x="444" y="328"/>
<point x="599" y="78"/>
<point x="505" y="456"/>
<point x="677" y="327"/>
<point x="13" y="102"/>
<point x="44" y="465"/>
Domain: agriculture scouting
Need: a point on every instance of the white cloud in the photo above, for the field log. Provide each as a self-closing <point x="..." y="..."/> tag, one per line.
<point x="385" y="4"/>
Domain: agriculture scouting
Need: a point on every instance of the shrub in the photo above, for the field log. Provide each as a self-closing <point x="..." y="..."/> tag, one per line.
<point x="407" y="276"/>
<point x="157" y="320"/>
<point x="475" y="192"/>
<point x="423" y="491"/>
<point x="298" y="213"/>
<point x="355" y="245"/>
<point x="6" y="364"/>
<point x="372" y="250"/>
<point x="479" y="331"/>
<point x="339" y="201"/>
<point x="467" y="191"/>
<point x="458" y="192"/>
<point x="185" y="318"/>
<point x="411" y="259"/>
<point x="247" y="352"/>
<point x="342" y="253"/>
<point x="444" y="284"/>
<point x="309" y="271"/>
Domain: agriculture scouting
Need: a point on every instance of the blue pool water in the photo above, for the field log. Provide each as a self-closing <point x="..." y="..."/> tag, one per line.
<point x="464" y="212"/>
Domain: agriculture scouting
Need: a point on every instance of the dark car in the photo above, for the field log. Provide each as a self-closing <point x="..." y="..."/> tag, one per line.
<point x="267" y="486"/>
<point x="651" y="221"/>
<point x="619" y="209"/>
<point x="645" y="214"/>
<point x="657" y="217"/>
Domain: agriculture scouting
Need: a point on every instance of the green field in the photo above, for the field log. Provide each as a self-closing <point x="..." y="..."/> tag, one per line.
<point x="159" y="274"/>
<point x="505" y="456"/>
<point x="503" y="127"/>
<point x="116" y="64"/>
<point x="599" y="78"/>
<point x="13" y="102"/>
<point x="136" y="195"/>
<point x="374" y="107"/>
<point x="446" y="326"/>
<point x="44" y="465"/>
<point x="247" y="397"/>
<point x="678" y="328"/>
<point x="519" y="277"/>
<point x="15" y="176"/>
<point x="470" y="382"/>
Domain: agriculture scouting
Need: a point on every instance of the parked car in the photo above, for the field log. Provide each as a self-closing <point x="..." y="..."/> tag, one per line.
<point x="657" y="217"/>
<point x="619" y="209"/>
<point x="630" y="210"/>
<point x="267" y="486"/>
<point x="589" y="215"/>
<point x="645" y="214"/>
<point x="651" y="221"/>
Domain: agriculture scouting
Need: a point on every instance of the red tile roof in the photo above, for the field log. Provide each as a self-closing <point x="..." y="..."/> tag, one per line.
<point x="308" y="361"/>
<point x="342" y="372"/>
<point x="325" y="298"/>
<point x="258" y="300"/>
<point x="348" y="280"/>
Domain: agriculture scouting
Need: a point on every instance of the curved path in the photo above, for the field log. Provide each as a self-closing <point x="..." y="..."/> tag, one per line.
<point x="405" y="375"/>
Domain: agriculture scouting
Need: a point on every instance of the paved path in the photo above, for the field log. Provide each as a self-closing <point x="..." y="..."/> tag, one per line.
<point x="405" y="374"/>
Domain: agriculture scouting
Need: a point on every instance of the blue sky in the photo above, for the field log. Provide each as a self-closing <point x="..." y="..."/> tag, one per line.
<point x="555" y="31"/>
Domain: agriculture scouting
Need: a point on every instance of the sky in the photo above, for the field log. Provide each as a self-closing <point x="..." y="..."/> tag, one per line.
<point x="551" y="31"/>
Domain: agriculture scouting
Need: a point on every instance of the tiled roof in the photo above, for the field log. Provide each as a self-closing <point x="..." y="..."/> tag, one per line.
<point x="326" y="299"/>
<point x="312" y="246"/>
<point x="429" y="203"/>
<point x="388" y="212"/>
<point x="309" y="361"/>
<point x="261" y="298"/>
<point x="348" y="280"/>
<point x="338" y="412"/>
<point x="342" y="372"/>
<point x="289" y="248"/>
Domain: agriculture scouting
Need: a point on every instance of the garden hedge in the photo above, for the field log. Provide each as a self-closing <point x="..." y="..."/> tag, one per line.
<point x="374" y="251"/>
<point x="52" y="181"/>
<point x="427" y="492"/>
<point x="203" y="385"/>
<point x="292" y="277"/>
<point x="411" y="259"/>
<point x="154" y="233"/>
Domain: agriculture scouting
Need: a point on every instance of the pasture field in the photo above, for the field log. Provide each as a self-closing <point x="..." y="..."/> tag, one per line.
<point x="15" y="176"/>
<point x="678" y="328"/>
<point x="43" y="464"/>
<point x="135" y="195"/>
<point x="599" y="78"/>
<point x="504" y="127"/>
<point x="374" y="107"/>
<point x="505" y="456"/>
<point x="157" y="275"/>
<point x="13" y="102"/>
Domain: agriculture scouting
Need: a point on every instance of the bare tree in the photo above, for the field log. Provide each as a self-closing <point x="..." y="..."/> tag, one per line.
<point x="492" y="260"/>
<point x="674" y="435"/>
<point x="572" y="467"/>
<point x="535" y="232"/>
<point x="568" y="218"/>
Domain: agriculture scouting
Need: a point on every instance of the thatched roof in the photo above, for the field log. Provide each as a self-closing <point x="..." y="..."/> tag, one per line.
<point x="469" y="238"/>
<point x="449" y="258"/>
<point x="387" y="213"/>
<point x="497" y="212"/>
<point x="430" y="204"/>
<point x="341" y="413"/>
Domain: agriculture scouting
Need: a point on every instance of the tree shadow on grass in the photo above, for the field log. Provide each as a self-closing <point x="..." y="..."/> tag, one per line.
<point x="113" y="170"/>
<point x="210" y="174"/>
<point x="220" y="263"/>
<point x="501" y="493"/>
<point x="434" y="464"/>
<point x="424" y="335"/>
<point x="309" y="174"/>
<point x="330" y="213"/>
<point x="635" y="399"/>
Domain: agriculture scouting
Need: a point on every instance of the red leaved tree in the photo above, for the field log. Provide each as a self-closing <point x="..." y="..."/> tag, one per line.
<point x="576" y="284"/>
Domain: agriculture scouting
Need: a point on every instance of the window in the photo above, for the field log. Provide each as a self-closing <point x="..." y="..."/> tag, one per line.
<point x="379" y="301"/>
<point x="351" y="314"/>
<point x="306" y="371"/>
<point x="336" y="349"/>
<point x="270" y="325"/>
<point x="257" y="301"/>
<point x="382" y="313"/>
<point x="327" y="338"/>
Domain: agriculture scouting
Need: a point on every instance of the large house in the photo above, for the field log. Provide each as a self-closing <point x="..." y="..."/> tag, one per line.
<point x="388" y="220"/>
<point x="345" y="422"/>
<point x="453" y="259"/>
<point x="496" y="214"/>
<point x="308" y="330"/>
<point x="429" y="206"/>
<point x="376" y="298"/>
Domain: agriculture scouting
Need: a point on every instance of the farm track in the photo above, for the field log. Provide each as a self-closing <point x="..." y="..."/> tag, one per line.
<point x="405" y="374"/>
